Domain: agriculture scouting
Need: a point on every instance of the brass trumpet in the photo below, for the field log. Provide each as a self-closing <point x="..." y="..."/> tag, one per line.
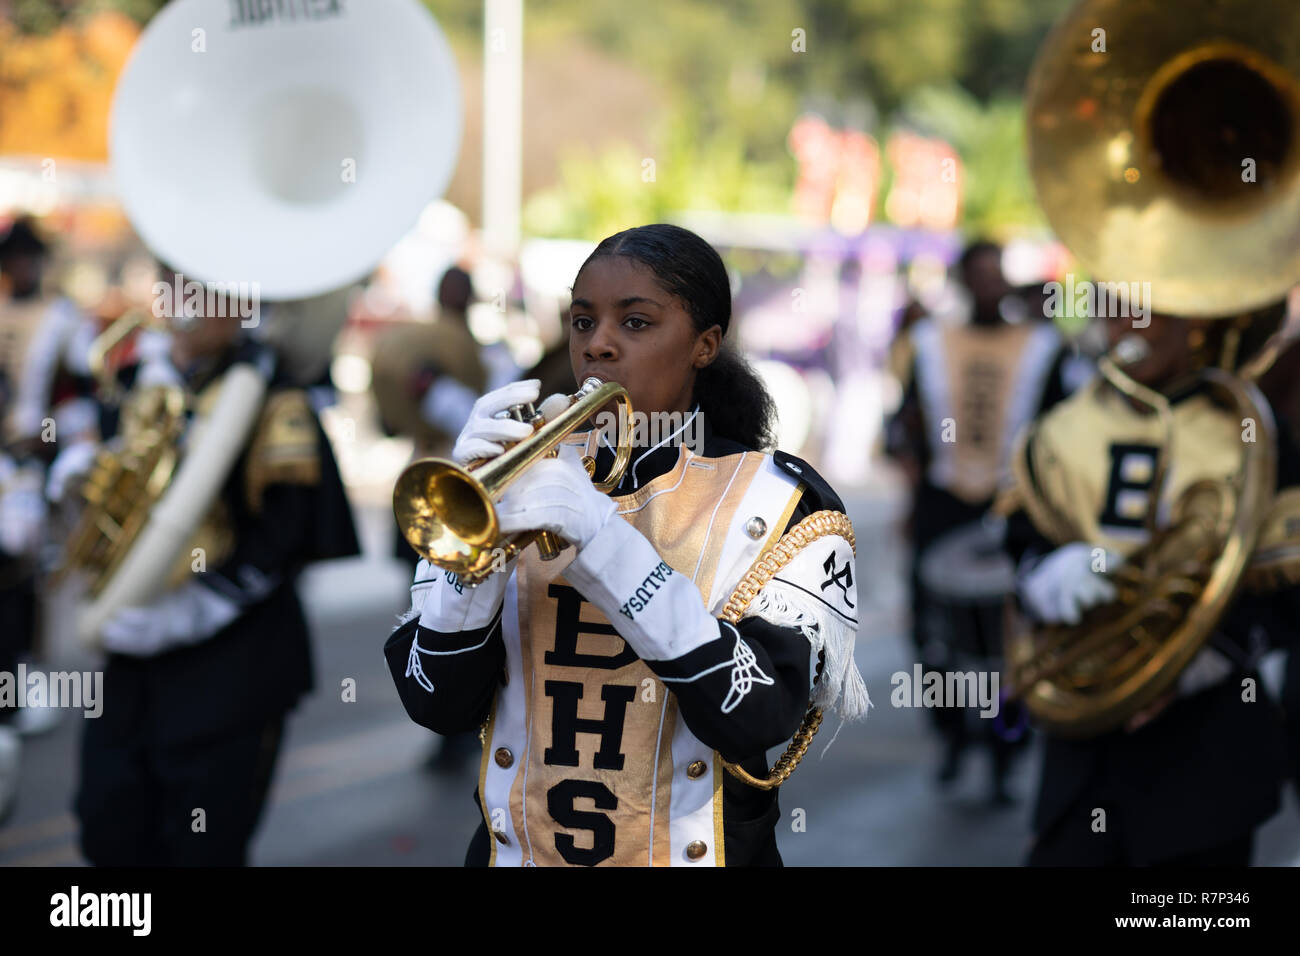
<point x="447" y="512"/>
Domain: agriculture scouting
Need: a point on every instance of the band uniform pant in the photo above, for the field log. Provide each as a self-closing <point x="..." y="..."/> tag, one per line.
<point x="138" y="804"/>
<point x="18" y="621"/>
<point x="1071" y="841"/>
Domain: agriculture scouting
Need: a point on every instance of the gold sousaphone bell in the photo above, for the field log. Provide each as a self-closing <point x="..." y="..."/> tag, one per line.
<point x="447" y="512"/>
<point x="1164" y="142"/>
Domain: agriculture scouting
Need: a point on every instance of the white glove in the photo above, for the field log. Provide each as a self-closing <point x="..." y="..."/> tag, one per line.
<point x="156" y="368"/>
<point x="76" y="419"/>
<point x="70" y="464"/>
<point x="444" y="604"/>
<point x="483" y="434"/>
<point x="1207" y="669"/>
<point x="556" y="494"/>
<point x="188" y="615"/>
<point x="1063" y="584"/>
<point x="22" y="508"/>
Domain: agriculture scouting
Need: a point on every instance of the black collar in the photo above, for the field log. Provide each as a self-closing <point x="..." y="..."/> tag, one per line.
<point x="649" y="463"/>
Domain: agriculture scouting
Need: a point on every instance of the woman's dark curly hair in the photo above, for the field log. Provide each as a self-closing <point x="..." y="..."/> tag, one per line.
<point x="729" y="391"/>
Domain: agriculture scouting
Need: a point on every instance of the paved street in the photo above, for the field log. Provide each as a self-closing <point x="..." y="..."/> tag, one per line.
<point x="351" y="788"/>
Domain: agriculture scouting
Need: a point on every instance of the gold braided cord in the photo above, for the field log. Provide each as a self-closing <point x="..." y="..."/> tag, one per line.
<point x="770" y="562"/>
<point x="765" y="567"/>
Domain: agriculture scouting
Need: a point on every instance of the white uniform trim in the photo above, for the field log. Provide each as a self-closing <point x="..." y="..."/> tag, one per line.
<point x="415" y="669"/>
<point x="690" y="810"/>
<point x="509" y="731"/>
<point x="745" y="672"/>
<point x="932" y="383"/>
<point x="654" y="780"/>
<point x="766" y="498"/>
<point x="825" y="610"/>
<point x="1029" y="385"/>
<point x="713" y="515"/>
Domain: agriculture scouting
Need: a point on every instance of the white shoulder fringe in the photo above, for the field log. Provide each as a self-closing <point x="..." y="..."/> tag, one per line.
<point x="840" y="687"/>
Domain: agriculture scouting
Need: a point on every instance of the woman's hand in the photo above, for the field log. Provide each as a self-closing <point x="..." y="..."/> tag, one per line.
<point x="483" y="434"/>
<point x="556" y="494"/>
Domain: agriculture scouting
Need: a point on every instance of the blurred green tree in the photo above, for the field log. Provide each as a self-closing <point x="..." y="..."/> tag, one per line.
<point x="734" y="77"/>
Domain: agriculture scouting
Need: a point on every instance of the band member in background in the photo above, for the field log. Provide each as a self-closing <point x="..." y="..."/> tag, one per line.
<point x="426" y="379"/>
<point x="427" y="376"/>
<point x="44" y="348"/>
<point x="199" y="683"/>
<point x="1281" y="385"/>
<point x="611" y="690"/>
<point x="1188" y="779"/>
<point x="968" y="389"/>
<point x="22" y="519"/>
<point x="47" y="406"/>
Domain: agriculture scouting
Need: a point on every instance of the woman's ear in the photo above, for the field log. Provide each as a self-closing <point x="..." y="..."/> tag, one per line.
<point x="707" y="346"/>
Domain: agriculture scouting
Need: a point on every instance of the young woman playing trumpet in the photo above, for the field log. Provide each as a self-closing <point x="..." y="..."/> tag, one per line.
<point x="627" y="691"/>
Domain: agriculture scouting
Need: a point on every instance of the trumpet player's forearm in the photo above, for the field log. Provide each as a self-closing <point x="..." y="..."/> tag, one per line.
<point x="446" y="681"/>
<point x="705" y="682"/>
<point x="447" y="655"/>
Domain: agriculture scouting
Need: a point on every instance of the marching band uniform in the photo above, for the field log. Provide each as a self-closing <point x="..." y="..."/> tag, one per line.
<point x="1190" y="785"/>
<point x="198" y="684"/>
<point x="587" y="758"/>
<point x="968" y="390"/>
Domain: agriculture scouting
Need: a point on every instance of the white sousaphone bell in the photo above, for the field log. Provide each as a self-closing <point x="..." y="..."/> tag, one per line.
<point x="280" y="148"/>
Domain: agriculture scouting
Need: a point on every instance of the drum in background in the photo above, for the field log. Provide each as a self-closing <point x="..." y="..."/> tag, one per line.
<point x="966" y="577"/>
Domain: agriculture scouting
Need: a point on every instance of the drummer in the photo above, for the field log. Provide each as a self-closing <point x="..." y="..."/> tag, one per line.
<point x="968" y="388"/>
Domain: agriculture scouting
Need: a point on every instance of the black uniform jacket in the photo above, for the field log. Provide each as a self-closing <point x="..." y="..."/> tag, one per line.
<point x="260" y="664"/>
<point x="1210" y="766"/>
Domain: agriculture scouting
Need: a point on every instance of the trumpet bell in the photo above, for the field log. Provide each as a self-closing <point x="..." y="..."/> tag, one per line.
<point x="445" y="513"/>
<point x="253" y="143"/>
<point x="1166" y="148"/>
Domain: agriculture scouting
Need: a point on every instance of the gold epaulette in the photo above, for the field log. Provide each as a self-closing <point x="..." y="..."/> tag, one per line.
<point x="765" y="567"/>
<point x="1276" y="561"/>
<point x="285" y="447"/>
